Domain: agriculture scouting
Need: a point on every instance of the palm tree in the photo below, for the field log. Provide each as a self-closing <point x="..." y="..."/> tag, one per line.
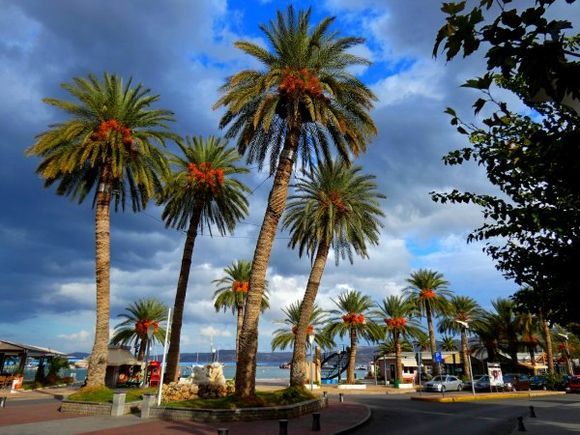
<point x="108" y="146"/>
<point x="232" y="292"/>
<point x="528" y="326"/>
<point x="399" y="314"/>
<point x="448" y="344"/>
<point x="286" y="337"/>
<point x="202" y="192"/>
<point x="302" y="99"/>
<point x="140" y="316"/>
<point x="428" y="291"/>
<point x="504" y="321"/>
<point x="389" y="347"/>
<point x="351" y="318"/>
<point x="462" y="311"/>
<point x="334" y="206"/>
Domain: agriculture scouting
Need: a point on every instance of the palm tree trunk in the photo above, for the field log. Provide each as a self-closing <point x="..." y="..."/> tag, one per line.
<point x="398" y="361"/>
<point x="352" y="357"/>
<point x="98" y="359"/>
<point x="432" y="342"/>
<point x="547" y="342"/>
<point x="240" y="320"/>
<point x="298" y="368"/>
<point x="142" y="349"/>
<point x="465" y="354"/>
<point x="173" y="352"/>
<point x="246" y="367"/>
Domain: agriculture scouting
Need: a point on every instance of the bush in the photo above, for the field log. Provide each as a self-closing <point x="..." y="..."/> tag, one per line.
<point x="92" y="394"/>
<point x="212" y="391"/>
<point x="554" y="382"/>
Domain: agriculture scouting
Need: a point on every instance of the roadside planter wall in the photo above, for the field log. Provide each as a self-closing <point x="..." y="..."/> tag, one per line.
<point x="118" y="407"/>
<point x="243" y="414"/>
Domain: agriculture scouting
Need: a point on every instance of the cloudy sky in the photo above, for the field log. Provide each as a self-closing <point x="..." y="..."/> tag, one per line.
<point x="183" y="50"/>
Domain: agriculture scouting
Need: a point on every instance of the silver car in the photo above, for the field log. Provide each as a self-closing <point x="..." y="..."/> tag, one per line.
<point x="444" y="383"/>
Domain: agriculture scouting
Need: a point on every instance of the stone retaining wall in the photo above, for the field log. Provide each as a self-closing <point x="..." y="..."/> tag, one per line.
<point x="95" y="408"/>
<point x="242" y="414"/>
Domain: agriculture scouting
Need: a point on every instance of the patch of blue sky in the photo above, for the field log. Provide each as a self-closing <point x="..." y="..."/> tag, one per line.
<point x="207" y="61"/>
<point x="420" y="249"/>
<point x="380" y="70"/>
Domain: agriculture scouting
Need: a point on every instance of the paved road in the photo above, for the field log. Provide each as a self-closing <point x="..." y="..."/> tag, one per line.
<point x="400" y="415"/>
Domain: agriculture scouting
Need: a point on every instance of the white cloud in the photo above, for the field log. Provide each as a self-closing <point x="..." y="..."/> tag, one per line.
<point x="81" y="337"/>
<point x="210" y="331"/>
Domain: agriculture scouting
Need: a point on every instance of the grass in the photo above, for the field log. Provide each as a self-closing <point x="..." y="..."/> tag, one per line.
<point x="105" y="395"/>
<point x="287" y="396"/>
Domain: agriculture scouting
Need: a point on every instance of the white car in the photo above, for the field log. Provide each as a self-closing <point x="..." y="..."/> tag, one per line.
<point x="444" y="383"/>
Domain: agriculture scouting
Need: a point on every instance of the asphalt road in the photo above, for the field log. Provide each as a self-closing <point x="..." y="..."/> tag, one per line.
<point x="400" y="415"/>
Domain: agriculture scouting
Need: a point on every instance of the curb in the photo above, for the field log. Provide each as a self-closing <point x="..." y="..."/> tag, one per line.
<point x="355" y="426"/>
<point x="488" y="396"/>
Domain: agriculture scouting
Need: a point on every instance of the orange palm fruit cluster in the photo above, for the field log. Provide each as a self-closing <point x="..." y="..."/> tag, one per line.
<point x="300" y="82"/>
<point x="334" y="199"/>
<point x="105" y="127"/>
<point x="205" y="175"/>
<point x="241" y="286"/>
<point x="142" y="325"/>
<point x="354" y="318"/>
<point x="396" y="322"/>
<point x="309" y="330"/>
<point x="428" y="293"/>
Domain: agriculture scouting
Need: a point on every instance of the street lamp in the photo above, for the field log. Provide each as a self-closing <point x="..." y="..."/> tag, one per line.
<point x="465" y="328"/>
<point x="311" y="337"/>
<point x="568" y="368"/>
<point x="417" y="346"/>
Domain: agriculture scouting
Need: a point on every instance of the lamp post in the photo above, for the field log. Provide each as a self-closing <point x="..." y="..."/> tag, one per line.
<point x="565" y="337"/>
<point x="417" y="347"/>
<point x="465" y="328"/>
<point x="311" y="337"/>
<point x="165" y="342"/>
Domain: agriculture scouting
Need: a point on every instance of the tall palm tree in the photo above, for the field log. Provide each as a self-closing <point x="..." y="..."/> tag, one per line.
<point x="528" y="326"/>
<point x="286" y="336"/>
<point x="467" y="311"/>
<point x="428" y="291"/>
<point x="232" y="290"/>
<point x="399" y="314"/>
<point x="335" y="205"/>
<point x="301" y="100"/>
<point x="140" y="316"/>
<point x="503" y="319"/>
<point x="107" y="146"/>
<point x="389" y="347"/>
<point x="202" y="191"/>
<point x="351" y="318"/>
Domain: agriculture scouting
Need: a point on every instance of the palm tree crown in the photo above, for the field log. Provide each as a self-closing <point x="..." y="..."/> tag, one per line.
<point x="399" y="316"/>
<point x="304" y="86"/>
<point x="204" y="181"/>
<point x="139" y="316"/>
<point x="232" y="288"/>
<point x="462" y="309"/>
<point x="110" y="140"/>
<point x="428" y="290"/>
<point x="284" y="337"/>
<point x="337" y="204"/>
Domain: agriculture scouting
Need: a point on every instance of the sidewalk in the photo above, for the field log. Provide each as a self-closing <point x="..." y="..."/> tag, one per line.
<point x="336" y="418"/>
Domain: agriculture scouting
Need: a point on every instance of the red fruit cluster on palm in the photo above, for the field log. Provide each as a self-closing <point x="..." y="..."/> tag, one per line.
<point x="562" y="347"/>
<point x="354" y="318"/>
<point x="309" y="330"/>
<point x="299" y="83"/>
<point x="428" y="293"/>
<point x="334" y="198"/>
<point x="143" y="325"/>
<point x="105" y="127"/>
<point x="205" y="175"/>
<point x="396" y="322"/>
<point x="241" y="286"/>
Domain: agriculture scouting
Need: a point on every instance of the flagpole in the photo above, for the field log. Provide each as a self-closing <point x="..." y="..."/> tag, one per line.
<point x="167" y="332"/>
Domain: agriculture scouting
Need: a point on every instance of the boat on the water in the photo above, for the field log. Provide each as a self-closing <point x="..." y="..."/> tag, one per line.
<point x="361" y="367"/>
<point x="285" y="365"/>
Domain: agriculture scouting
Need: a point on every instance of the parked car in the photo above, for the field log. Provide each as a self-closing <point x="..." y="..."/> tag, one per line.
<point x="516" y="382"/>
<point x="573" y="384"/>
<point x="444" y="383"/>
<point x="538" y="383"/>
<point x="476" y="379"/>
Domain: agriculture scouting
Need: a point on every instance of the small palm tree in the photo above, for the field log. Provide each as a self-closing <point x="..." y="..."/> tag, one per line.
<point x="462" y="311"/>
<point x="335" y="206"/>
<point x="302" y="101"/>
<point x="232" y="290"/>
<point x="202" y="191"/>
<point x="528" y="326"/>
<point x="108" y="146"/>
<point x="139" y="316"/>
<point x="352" y="319"/>
<point x="286" y="336"/>
<point x="428" y="291"/>
<point x="448" y="344"/>
<point x="504" y="320"/>
<point x="400" y="325"/>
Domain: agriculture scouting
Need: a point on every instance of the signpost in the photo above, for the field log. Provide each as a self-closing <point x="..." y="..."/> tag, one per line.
<point x="495" y="375"/>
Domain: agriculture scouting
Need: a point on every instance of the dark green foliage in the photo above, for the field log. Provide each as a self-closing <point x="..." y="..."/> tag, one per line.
<point x="533" y="229"/>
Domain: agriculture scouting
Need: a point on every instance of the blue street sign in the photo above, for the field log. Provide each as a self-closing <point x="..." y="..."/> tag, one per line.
<point x="438" y="357"/>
